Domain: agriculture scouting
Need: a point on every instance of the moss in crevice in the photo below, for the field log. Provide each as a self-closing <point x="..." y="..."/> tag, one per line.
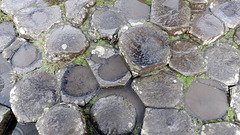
<point x="105" y="2"/>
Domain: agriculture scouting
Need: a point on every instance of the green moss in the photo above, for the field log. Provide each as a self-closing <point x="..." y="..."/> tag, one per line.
<point x="187" y="80"/>
<point x="173" y="38"/>
<point x="230" y="115"/>
<point x="92" y="101"/>
<point x="105" y="2"/>
<point x="187" y="2"/>
<point x="149" y="2"/>
<point x="154" y="72"/>
<point x="186" y="36"/>
<point x="82" y="59"/>
<point x="203" y="47"/>
<point x="4" y="17"/>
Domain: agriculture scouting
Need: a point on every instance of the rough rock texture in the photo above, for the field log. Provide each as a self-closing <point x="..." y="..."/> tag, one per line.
<point x="31" y="22"/>
<point x="108" y="67"/>
<point x="5" y="116"/>
<point x="114" y="115"/>
<point x="235" y="101"/>
<point x="64" y="43"/>
<point x="237" y="36"/>
<point x="32" y="96"/>
<point x="25" y="129"/>
<point x="79" y="85"/>
<point x="223" y="62"/>
<point x="187" y="58"/>
<point x="171" y="15"/>
<point x="206" y="28"/>
<point x="76" y="11"/>
<point x="198" y="4"/>
<point x="205" y="101"/>
<point x="7" y="35"/>
<point x="167" y="122"/>
<point x="160" y="90"/>
<point x="220" y="128"/>
<point x="145" y="48"/>
<point x="62" y="119"/>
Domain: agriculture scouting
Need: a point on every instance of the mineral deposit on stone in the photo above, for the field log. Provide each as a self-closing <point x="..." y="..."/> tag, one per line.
<point x="5" y="116"/>
<point x="220" y="128"/>
<point x="235" y="101"/>
<point x="7" y="35"/>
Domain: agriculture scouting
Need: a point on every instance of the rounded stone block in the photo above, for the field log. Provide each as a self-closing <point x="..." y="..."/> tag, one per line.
<point x="220" y="128"/>
<point x="7" y="35"/>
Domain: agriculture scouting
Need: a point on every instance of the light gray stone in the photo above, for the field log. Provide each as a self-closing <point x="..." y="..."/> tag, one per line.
<point x="7" y="35"/>
<point x="220" y="128"/>
<point x="235" y="101"/>
<point x="5" y="116"/>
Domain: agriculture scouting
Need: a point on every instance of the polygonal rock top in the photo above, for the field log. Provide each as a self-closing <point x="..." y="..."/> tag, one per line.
<point x="7" y="35"/>
<point x="145" y="48"/>
<point x="220" y="128"/>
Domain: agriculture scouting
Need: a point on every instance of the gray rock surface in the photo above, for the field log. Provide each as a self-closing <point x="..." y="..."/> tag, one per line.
<point x="235" y="101"/>
<point x="7" y="35"/>
<point x="220" y="128"/>
<point x="237" y="36"/>
<point x="25" y="129"/>
<point x="5" y="116"/>
<point x="145" y="48"/>
<point x="198" y="4"/>
<point x="9" y="51"/>
<point x="167" y="122"/>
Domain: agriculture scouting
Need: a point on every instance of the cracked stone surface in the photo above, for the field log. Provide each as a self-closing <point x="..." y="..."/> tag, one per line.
<point x="237" y="36"/>
<point x="114" y="115"/>
<point x="32" y="96"/>
<point x="7" y="35"/>
<point x="62" y="119"/>
<point x="198" y="4"/>
<point x="206" y="101"/>
<point x="167" y="122"/>
<point x="65" y="43"/>
<point x="76" y="87"/>
<point x="108" y="67"/>
<point x="5" y="116"/>
<point x="171" y="15"/>
<point x="187" y="58"/>
<point x="235" y="101"/>
<point x="145" y="48"/>
<point x="160" y="90"/>
<point x="31" y="22"/>
<point x="221" y="128"/>
<point x="223" y="62"/>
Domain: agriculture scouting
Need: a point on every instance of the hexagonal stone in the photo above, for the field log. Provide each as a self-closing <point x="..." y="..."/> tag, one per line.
<point x="114" y="115"/>
<point x="62" y="119"/>
<point x="206" y="101"/>
<point x="167" y="122"/>
<point x="223" y="62"/>
<point x="76" y="11"/>
<point x="32" y="96"/>
<point x="160" y="90"/>
<point x="25" y="129"/>
<point x="206" y="28"/>
<point x="235" y="101"/>
<point x="5" y="116"/>
<point x="31" y="22"/>
<point x="171" y="15"/>
<point x="135" y="11"/>
<point x="227" y="12"/>
<point x="7" y="35"/>
<point x="236" y="37"/>
<point x="108" y="67"/>
<point x="145" y="48"/>
<point x="64" y="43"/>
<point x="198" y="4"/>
<point x="220" y="128"/>
<point x="76" y="87"/>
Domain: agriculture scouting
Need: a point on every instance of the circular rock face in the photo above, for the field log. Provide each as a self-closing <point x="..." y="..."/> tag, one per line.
<point x="220" y="128"/>
<point x="145" y="48"/>
<point x="62" y="120"/>
<point x="32" y="96"/>
<point x="7" y="35"/>
<point x="114" y="115"/>
<point x="204" y="101"/>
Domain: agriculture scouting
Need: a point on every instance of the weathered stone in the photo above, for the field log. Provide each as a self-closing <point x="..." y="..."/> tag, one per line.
<point x="220" y="128"/>
<point x="135" y="11"/>
<point x="65" y="43"/>
<point x="171" y="15"/>
<point x="160" y="90"/>
<point x="223" y="62"/>
<point x="32" y="96"/>
<point x="167" y="122"/>
<point x="31" y="22"/>
<point x="7" y="35"/>
<point x="206" y="28"/>
<point x="198" y="4"/>
<point x="76" y="85"/>
<point x="76" y="11"/>
<point x="114" y="115"/>
<point x="108" y="67"/>
<point x="5" y="116"/>
<point x="62" y="119"/>
<point x="145" y="48"/>
<point x="236" y="37"/>
<point x="25" y="129"/>
<point x="9" y="51"/>
<point x="205" y="101"/>
<point x="235" y="101"/>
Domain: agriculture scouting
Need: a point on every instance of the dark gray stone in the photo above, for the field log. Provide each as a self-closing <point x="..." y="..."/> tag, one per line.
<point x="187" y="58"/>
<point x="235" y="101"/>
<point x="7" y="35"/>
<point x="160" y="90"/>
<point x="220" y="128"/>
<point x="25" y="129"/>
<point x="236" y="37"/>
<point x="64" y="43"/>
<point x="5" y="116"/>
<point x="167" y="122"/>
<point x="114" y="115"/>
<point x="205" y="101"/>
<point x="145" y="48"/>
<point x="198" y="4"/>
<point x="9" y="51"/>
<point x="31" y="22"/>
<point x="31" y="97"/>
<point x="62" y="119"/>
<point x="171" y="15"/>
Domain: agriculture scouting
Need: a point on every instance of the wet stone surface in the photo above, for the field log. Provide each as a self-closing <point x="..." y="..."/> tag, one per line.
<point x="145" y="48"/>
<point x="5" y="116"/>
<point x="7" y="35"/>
<point x="32" y="96"/>
<point x="205" y="101"/>
<point x="221" y="128"/>
<point x="114" y="115"/>
<point x="160" y="90"/>
<point x="167" y="122"/>
<point x="171" y="15"/>
<point x="187" y="58"/>
<point x="108" y="67"/>
<point x="235" y="101"/>
<point x="76" y="85"/>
